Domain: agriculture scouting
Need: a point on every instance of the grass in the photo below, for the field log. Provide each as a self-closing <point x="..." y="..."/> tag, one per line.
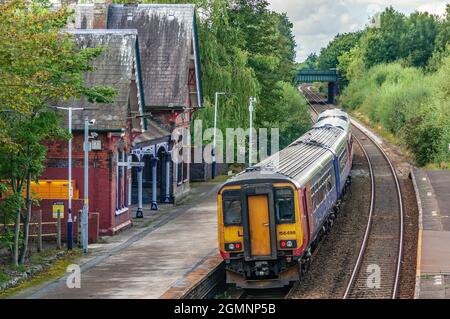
<point x="4" y="277"/>
<point x="19" y="268"/>
<point x="436" y="167"/>
<point x="57" y="269"/>
<point x="380" y="131"/>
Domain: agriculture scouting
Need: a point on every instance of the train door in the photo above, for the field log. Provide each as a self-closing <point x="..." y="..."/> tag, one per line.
<point x="259" y="225"/>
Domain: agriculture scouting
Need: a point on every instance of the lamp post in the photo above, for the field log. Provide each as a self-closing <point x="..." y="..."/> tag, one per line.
<point x="69" y="217"/>
<point x="250" y="142"/>
<point x="213" y="167"/>
<point x="85" y="217"/>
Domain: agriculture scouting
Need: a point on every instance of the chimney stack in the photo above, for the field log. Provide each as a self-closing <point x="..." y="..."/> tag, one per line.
<point x="101" y="13"/>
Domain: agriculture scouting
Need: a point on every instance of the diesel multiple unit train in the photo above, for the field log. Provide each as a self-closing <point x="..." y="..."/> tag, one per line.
<point x="272" y="216"/>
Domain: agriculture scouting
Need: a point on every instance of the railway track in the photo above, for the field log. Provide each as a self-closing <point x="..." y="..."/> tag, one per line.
<point x="376" y="272"/>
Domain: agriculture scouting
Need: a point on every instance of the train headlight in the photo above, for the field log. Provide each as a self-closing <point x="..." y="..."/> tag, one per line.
<point x="288" y="244"/>
<point x="233" y="246"/>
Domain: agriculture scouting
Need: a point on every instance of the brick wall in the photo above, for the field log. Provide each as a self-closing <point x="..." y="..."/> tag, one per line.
<point x="102" y="176"/>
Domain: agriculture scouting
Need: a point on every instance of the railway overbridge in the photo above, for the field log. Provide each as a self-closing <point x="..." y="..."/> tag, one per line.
<point x="331" y="76"/>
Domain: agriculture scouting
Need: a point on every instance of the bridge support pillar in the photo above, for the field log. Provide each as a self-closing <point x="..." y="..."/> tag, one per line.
<point x="331" y="92"/>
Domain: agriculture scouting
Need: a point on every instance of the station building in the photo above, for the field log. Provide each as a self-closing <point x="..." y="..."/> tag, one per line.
<point x="152" y="59"/>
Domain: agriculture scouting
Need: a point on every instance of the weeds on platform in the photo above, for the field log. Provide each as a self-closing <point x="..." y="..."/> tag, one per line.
<point x="55" y="270"/>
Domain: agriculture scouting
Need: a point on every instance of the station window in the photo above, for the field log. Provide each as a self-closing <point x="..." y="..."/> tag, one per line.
<point x="284" y="205"/>
<point x="232" y="208"/>
<point x="121" y="178"/>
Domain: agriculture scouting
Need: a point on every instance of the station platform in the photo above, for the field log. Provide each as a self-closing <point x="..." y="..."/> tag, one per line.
<point x="165" y="251"/>
<point x="433" y="252"/>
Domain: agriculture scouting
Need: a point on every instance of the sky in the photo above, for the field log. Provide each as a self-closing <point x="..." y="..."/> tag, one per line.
<point x="316" y="22"/>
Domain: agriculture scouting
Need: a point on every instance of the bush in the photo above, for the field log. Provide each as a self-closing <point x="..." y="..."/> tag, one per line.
<point x="412" y="106"/>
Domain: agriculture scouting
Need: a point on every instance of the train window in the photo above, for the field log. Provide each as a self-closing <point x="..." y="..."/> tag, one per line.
<point x="284" y="205"/>
<point x="343" y="159"/>
<point x="232" y="208"/>
<point x="321" y="188"/>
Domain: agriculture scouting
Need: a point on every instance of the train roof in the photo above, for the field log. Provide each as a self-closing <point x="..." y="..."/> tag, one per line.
<point x="333" y="113"/>
<point x="334" y="121"/>
<point x="299" y="161"/>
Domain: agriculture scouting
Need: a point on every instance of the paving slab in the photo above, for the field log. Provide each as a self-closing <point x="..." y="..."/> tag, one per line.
<point x="148" y="263"/>
<point x="433" y="255"/>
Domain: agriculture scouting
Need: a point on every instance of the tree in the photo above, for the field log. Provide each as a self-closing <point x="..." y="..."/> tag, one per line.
<point x="383" y="44"/>
<point x="267" y="37"/>
<point x="443" y="37"/>
<point x="418" y="42"/>
<point x="39" y="66"/>
<point x="351" y="65"/>
<point x="341" y="43"/>
<point x="310" y="63"/>
<point x="290" y="114"/>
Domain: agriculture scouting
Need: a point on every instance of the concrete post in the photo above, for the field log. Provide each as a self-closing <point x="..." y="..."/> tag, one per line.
<point x="154" y="205"/>
<point x="139" y="213"/>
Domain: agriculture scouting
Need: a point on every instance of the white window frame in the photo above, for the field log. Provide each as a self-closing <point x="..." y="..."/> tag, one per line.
<point x="120" y="164"/>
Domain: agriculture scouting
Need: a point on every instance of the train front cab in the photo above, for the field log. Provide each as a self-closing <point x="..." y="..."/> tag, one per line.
<point x="261" y="233"/>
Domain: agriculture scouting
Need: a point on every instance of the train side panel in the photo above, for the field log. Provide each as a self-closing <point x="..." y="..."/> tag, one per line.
<point x="323" y="196"/>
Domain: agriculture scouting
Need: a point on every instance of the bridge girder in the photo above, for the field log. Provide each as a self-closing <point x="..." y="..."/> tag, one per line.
<point x="309" y="76"/>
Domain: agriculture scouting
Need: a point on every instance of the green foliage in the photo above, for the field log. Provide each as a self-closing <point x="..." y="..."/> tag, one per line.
<point x="351" y="64"/>
<point x="39" y="66"/>
<point x="398" y="37"/>
<point x="290" y="114"/>
<point x="419" y="41"/>
<point x="4" y="277"/>
<point x="409" y="104"/>
<point x="7" y="240"/>
<point x="341" y="43"/>
<point x="382" y="44"/>
<point x="309" y="64"/>
<point x="443" y="37"/>
<point x="397" y="73"/>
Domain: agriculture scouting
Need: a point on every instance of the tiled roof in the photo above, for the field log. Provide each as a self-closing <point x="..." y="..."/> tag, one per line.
<point x="113" y="68"/>
<point x="166" y="34"/>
